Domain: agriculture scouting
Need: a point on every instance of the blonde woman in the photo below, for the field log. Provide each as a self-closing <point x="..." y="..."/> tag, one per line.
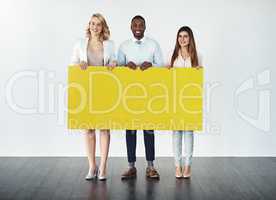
<point x="184" y="55"/>
<point x="95" y="50"/>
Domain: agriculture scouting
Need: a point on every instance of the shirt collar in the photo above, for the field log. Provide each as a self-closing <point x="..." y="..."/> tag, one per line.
<point x="142" y="40"/>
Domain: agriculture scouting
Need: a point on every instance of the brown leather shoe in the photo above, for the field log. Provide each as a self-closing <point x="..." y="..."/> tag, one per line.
<point x="151" y="172"/>
<point x="130" y="173"/>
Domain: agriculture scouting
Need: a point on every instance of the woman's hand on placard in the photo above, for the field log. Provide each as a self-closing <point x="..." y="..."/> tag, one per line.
<point x="198" y="67"/>
<point x="168" y="67"/>
<point x="83" y="65"/>
<point x="112" y="65"/>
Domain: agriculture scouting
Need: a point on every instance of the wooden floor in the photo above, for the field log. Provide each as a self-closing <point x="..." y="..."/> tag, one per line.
<point x="63" y="178"/>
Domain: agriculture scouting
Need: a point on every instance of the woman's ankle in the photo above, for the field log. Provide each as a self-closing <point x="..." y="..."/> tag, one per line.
<point x="102" y="168"/>
<point x="187" y="169"/>
<point x="178" y="171"/>
<point x="92" y="165"/>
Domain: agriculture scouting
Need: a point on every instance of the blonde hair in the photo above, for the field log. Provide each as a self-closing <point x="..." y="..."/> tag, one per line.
<point x="105" y="34"/>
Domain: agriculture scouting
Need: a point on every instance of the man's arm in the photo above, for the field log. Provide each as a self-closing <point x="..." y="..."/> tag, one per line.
<point x="122" y="61"/>
<point x="121" y="57"/>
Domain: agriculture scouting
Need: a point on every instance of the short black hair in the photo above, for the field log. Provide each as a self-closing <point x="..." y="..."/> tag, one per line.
<point x="138" y="17"/>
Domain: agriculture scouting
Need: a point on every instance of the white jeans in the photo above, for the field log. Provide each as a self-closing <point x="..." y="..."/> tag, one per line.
<point x="188" y="146"/>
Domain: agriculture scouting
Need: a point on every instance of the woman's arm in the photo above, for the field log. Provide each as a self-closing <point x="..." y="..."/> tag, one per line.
<point x="113" y="60"/>
<point x="200" y="60"/>
<point x="75" y="59"/>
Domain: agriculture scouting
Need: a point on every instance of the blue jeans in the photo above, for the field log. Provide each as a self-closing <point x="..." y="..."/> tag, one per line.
<point x="188" y="146"/>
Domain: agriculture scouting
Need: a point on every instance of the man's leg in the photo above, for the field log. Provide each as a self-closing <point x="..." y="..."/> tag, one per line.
<point x="131" y="146"/>
<point x="149" y="146"/>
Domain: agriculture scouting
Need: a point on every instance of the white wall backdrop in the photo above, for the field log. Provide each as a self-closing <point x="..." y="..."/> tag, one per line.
<point x="236" y="38"/>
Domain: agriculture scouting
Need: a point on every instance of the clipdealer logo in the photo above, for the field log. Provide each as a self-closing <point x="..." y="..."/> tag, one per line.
<point x="259" y="82"/>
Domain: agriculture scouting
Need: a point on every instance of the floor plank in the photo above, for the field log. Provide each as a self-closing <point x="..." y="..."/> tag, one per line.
<point x="233" y="178"/>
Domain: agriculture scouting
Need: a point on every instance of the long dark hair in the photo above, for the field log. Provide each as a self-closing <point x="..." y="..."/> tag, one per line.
<point x="191" y="47"/>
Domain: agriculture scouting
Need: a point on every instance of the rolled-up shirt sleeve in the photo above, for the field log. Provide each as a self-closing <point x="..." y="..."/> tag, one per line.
<point x="121" y="57"/>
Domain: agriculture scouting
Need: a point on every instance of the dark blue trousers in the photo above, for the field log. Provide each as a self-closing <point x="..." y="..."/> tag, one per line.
<point x="131" y="138"/>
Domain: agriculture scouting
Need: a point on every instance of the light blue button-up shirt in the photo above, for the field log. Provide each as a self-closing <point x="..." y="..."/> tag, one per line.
<point x="139" y="51"/>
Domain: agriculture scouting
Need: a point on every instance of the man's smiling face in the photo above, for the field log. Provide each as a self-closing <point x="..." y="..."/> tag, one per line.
<point x="138" y="28"/>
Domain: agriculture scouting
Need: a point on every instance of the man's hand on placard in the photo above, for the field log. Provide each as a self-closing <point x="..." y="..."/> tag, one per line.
<point x="145" y="65"/>
<point x="131" y="65"/>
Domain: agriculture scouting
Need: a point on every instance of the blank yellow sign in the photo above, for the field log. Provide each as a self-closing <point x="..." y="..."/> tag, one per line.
<point x="154" y="99"/>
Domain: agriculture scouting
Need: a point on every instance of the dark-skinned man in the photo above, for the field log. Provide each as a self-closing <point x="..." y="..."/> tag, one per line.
<point x="140" y="52"/>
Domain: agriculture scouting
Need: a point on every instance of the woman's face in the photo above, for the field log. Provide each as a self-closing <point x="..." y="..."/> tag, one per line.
<point x="183" y="39"/>
<point x="95" y="26"/>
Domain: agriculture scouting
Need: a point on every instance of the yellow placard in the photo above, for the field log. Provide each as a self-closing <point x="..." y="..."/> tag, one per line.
<point x="155" y="99"/>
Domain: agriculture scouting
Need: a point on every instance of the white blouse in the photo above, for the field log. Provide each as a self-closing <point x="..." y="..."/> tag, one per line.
<point x="80" y="52"/>
<point x="180" y="62"/>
